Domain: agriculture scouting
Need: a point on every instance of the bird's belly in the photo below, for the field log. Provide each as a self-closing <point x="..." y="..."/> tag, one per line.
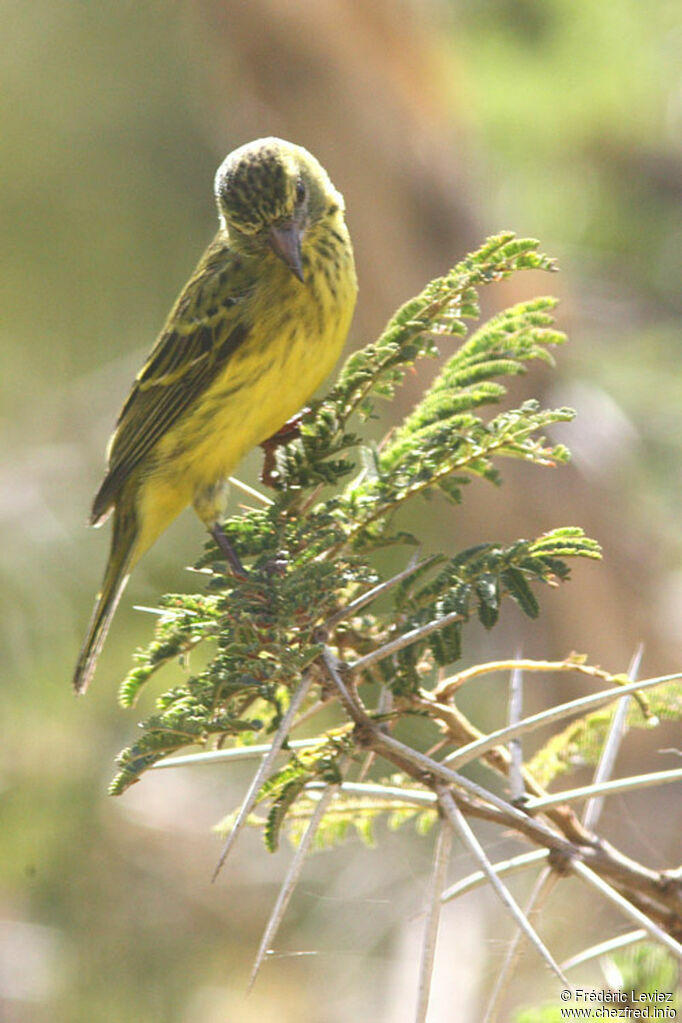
<point x="269" y="378"/>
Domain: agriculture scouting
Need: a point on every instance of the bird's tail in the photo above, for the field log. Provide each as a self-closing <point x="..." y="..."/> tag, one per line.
<point x="115" y="578"/>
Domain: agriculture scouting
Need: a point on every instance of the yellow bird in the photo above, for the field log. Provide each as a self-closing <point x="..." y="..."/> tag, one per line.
<point x="256" y="329"/>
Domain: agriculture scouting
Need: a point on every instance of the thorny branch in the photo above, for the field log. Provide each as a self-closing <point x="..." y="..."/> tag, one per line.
<point x="658" y="893"/>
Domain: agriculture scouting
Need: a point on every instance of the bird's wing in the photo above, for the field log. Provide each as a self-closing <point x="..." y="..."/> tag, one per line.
<point x="204" y="329"/>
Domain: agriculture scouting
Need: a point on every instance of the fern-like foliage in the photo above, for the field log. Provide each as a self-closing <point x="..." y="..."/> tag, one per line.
<point x="581" y="742"/>
<point x="361" y="815"/>
<point x="313" y="550"/>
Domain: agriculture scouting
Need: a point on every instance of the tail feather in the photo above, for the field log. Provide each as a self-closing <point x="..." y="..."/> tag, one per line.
<point x="115" y="578"/>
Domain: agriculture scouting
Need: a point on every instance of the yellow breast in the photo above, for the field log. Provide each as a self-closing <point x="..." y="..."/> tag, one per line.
<point x="296" y="333"/>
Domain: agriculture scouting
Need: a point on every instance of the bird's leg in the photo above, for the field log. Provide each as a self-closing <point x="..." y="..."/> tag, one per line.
<point x="285" y="433"/>
<point x="231" y="556"/>
<point x="210" y="502"/>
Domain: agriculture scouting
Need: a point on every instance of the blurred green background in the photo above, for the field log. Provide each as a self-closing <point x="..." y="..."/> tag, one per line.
<point x="441" y="122"/>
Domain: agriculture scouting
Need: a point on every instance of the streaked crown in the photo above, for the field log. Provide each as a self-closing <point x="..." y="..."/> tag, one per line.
<point x="262" y="183"/>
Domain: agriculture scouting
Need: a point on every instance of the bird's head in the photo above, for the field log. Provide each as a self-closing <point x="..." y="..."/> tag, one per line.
<point x="269" y="194"/>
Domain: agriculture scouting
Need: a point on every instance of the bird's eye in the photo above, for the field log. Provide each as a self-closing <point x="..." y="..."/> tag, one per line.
<point x="300" y="191"/>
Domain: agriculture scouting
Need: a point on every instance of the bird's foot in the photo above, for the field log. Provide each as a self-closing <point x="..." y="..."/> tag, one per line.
<point x="286" y="433"/>
<point x="231" y="556"/>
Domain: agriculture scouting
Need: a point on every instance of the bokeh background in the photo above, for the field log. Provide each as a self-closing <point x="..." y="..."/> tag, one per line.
<point x="442" y="121"/>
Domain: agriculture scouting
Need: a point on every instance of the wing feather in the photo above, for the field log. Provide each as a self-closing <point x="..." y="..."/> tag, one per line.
<point x="203" y="331"/>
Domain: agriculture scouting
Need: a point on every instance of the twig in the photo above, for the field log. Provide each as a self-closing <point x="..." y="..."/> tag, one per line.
<point x="165" y="612"/>
<point x="401" y="642"/>
<point x="441" y="858"/>
<point x="290" y="882"/>
<point x="350" y="704"/>
<point x="376" y="591"/>
<point x="384" y="706"/>
<point x="544" y="884"/>
<point x="607" y="760"/>
<point x="516" y="783"/>
<point x="584" y="703"/>
<point x="232" y="755"/>
<point x="418" y="796"/>
<point x="511" y="866"/>
<point x="605" y="788"/>
<point x="582" y="870"/>
<point x="439" y="770"/>
<point x="251" y="491"/>
<point x="312" y="711"/>
<point x="460" y="824"/>
<point x="449" y="686"/>
<point x="604" y="947"/>
<point x="264" y="769"/>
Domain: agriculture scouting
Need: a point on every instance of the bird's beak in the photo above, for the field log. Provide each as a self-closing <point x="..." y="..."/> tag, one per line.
<point x="285" y="242"/>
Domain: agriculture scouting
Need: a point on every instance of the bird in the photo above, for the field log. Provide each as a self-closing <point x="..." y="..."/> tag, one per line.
<point x="256" y="329"/>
